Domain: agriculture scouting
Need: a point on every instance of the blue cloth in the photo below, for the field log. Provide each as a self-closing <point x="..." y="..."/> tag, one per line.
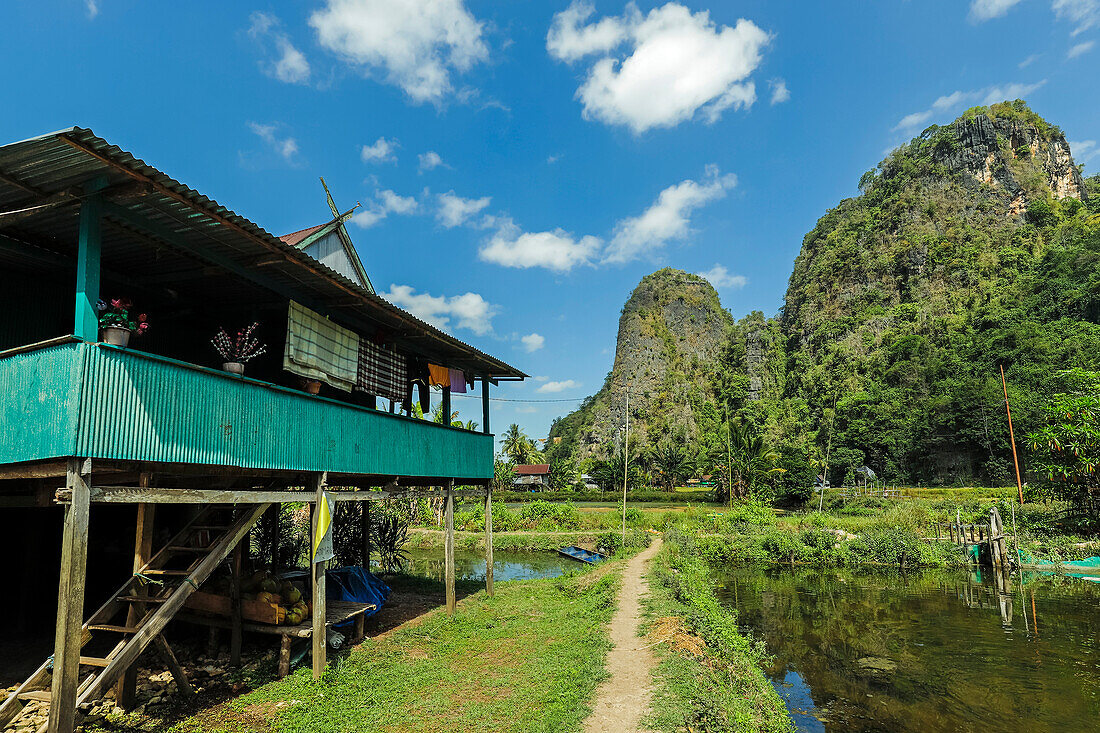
<point x="354" y="583"/>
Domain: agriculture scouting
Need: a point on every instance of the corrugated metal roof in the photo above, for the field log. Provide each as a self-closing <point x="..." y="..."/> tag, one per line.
<point x="181" y="221"/>
<point x="294" y="237"/>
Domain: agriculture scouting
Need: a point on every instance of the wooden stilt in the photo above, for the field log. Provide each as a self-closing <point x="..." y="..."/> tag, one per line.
<point x="366" y="534"/>
<point x="449" y="547"/>
<point x="143" y="550"/>
<point x="318" y="573"/>
<point x="235" y="570"/>
<point x="284" y="656"/>
<point x="489" y="541"/>
<point x="170" y="661"/>
<point x="70" y="604"/>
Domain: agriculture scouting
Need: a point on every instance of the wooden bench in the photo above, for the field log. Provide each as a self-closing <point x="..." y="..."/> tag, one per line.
<point x="336" y="612"/>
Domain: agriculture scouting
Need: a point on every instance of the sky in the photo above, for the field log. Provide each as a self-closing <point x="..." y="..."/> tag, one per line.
<point x="520" y="166"/>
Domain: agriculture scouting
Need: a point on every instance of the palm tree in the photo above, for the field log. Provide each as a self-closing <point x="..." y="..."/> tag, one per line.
<point x="518" y="447"/>
<point x="609" y="474"/>
<point x="752" y="461"/>
<point x="671" y="464"/>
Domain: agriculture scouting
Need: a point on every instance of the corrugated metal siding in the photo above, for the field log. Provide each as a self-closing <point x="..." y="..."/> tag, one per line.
<point x="330" y="252"/>
<point x="139" y="408"/>
<point x="38" y="399"/>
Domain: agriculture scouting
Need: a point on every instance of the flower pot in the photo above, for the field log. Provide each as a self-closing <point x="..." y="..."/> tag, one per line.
<point x="233" y="367"/>
<point x="115" y="336"/>
<point x="313" y="386"/>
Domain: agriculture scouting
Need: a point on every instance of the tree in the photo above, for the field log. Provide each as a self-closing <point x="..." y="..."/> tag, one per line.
<point x="608" y="474"/>
<point x="671" y="464"/>
<point x="518" y="447"/>
<point x="504" y="474"/>
<point x="563" y="472"/>
<point x="1066" y="450"/>
<point x="753" y="463"/>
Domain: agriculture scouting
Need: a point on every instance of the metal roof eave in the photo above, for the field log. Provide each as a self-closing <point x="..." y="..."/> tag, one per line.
<point x="171" y="191"/>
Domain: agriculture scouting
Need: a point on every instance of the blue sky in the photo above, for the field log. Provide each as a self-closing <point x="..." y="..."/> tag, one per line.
<point x="522" y="165"/>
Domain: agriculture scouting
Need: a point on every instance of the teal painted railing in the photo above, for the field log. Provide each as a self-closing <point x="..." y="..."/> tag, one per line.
<point x="82" y="399"/>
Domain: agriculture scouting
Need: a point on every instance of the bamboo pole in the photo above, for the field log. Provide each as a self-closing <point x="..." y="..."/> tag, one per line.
<point x="1012" y="437"/>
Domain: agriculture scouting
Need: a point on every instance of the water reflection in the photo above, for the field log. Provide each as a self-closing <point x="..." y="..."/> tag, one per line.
<point x="506" y="565"/>
<point x="926" y="651"/>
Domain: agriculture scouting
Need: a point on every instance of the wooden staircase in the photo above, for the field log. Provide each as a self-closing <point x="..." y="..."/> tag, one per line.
<point x="155" y="593"/>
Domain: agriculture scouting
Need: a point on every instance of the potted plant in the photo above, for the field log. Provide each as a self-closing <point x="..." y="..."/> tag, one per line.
<point x="313" y="386"/>
<point x="116" y="326"/>
<point x="236" y="351"/>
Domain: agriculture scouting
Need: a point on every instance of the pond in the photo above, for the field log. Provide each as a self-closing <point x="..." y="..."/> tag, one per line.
<point x="926" y="650"/>
<point x="506" y="565"/>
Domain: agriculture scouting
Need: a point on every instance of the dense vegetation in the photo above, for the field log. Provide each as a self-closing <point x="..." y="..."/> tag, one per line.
<point x="955" y="260"/>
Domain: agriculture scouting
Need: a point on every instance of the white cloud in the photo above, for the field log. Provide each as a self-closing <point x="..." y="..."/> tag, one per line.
<point x="720" y="277"/>
<point x="555" y="250"/>
<point x="412" y="44"/>
<point x="382" y="151"/>
<point x="1028" y="61"/>
<point x="667" y="219"/>
<point x="454" y="210"/>
<point x="386" y="202"/>
<point x="676" y="64"/>
<point x="287" y="147"/>
<point x="469" y="311"/>
<point x="533" y="342"/>
<point x="958" y="99"/>
<point x="284" y="62"/>
<point x="92" y="7"/>
<point x="1083" y="14"/>
<point x="430" y="160"/>
<point x="780" y="92"/>
<point x="551" y="159"/>
<point x="1084" y="150"/>
<point x="1079" y="49"/>
<point x="555" y="387"/>
<point x="981" y="10"/>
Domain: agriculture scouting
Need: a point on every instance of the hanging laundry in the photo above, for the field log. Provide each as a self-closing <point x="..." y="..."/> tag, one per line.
<point x="458" y="381"/>
<point x="317" y="348"/>
<point x="382" y="372"/>
<point x="439" y="376"/>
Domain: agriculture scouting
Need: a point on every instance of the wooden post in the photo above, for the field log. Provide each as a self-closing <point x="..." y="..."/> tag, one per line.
<point x="284" y="656"/>
<point x="320" y="646"/>
<point x="235" y="569"/>
<point x="489" y="540"/>
<point x="143" y="550"/>
<point x="1012" y="437"/>
<point x="366" y="535"/>
<point x="86" y="317"/>
<point x="70" y="604"/>
<point x="485" y="404"/>
<point x="449" y="547"/>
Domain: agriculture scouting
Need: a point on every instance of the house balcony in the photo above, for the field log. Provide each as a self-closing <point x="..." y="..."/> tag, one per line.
<point x="70" y="397"/>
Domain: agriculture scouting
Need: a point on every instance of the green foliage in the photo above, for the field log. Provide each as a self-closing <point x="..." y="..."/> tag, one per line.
<point x="1067" y="449"/>
<point x="518" y="447"/>
<point x="611" y="542"/>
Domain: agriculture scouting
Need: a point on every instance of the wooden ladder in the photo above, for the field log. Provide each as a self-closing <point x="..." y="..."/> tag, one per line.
<point x="154" y="611"/>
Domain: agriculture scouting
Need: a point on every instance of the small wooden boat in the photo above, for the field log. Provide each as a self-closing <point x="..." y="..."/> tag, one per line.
<point x="582" y="555"/>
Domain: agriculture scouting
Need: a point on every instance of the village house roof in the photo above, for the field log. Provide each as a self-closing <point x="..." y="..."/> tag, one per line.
<point x="532" y="469"/>
<point x="43" y="180"/>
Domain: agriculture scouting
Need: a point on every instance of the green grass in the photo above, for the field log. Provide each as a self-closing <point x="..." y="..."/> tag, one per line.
<point x="709" y="675"/>
<point x="527" y="660"/>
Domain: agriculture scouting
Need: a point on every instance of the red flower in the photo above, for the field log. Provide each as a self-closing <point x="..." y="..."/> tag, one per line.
<point x="143" y="318"/>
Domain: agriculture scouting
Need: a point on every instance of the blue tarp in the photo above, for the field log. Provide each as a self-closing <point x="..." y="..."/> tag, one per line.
<point x="354" y="583"/>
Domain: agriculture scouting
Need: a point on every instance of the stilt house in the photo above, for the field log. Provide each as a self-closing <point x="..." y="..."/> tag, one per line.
<point x="94" y="436"/>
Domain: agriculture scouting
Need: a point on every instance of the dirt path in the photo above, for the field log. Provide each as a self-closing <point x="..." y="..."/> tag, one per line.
<point x="623" y="699"/>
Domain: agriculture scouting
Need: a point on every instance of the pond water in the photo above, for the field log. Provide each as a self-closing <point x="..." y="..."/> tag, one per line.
<point x="506" y="565"/>
<point x="927" y="650"/>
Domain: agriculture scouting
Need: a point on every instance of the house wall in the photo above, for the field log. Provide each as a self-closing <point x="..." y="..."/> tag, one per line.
<point x="329" y="250"/>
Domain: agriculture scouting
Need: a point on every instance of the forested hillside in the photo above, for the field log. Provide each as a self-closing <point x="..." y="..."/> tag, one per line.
<point x="975" y="245"/>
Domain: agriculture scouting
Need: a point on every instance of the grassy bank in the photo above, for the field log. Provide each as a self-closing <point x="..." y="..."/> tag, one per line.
<point x="526" y="660"/>
<point x="709" y="675"/>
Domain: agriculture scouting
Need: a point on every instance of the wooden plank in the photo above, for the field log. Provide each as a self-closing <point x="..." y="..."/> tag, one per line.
<point x="12" y="706"/>
<point x="449" y="548"/>
<point x="489" y="542"/>
<point x="138" y="495"/>
<point x="160" y="618"/>
<point x="183" y="686"/>
<point x="70" y="605"/>
<point x="317" y="571"/>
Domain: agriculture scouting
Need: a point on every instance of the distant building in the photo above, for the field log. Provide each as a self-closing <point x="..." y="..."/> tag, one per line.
<point x="532" y="476"/>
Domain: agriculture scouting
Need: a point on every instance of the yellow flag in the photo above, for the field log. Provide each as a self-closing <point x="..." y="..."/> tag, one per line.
<point x="322" y="537"/>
